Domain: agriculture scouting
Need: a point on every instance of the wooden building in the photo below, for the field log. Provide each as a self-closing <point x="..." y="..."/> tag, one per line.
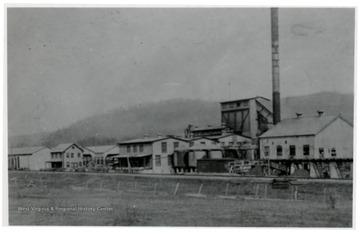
<point x="67" y="156"/>
<point x="100" y="155"/>
<point x="321" y="145"/>
<point x="31" y="158"/>
<point x="148" y="154"/>
<point x="249" y="117"/>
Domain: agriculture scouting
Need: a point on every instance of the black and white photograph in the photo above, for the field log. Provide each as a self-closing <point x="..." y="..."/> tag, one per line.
<point x="175" y="116"/>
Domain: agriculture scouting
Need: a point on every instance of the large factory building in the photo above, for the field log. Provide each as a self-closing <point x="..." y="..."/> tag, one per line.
<point x="320" y="145"/>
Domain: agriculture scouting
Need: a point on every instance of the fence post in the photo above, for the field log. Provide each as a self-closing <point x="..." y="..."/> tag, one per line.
<point x="87" y="184"/>
<point x="237" y="190"/>
<point x="117" y="188"/>
<point x="325" y="195"/>
<point x="176" y="189"/>
<point x="265" y="191"/>
<point x="135" y="184"/>
<point x="296" y="193"/>
<point x="227" y="189"/>
<point x="256" y="191"/>
<point x="156" y="184"/>
<point x="200" y="188"/>
<point x="291" y="192"/>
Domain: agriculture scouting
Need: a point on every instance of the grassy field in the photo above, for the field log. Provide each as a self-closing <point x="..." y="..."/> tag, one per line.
<point x="123" y="200"/>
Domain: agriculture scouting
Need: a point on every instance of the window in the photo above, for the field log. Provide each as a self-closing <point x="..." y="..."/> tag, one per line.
<point x="333" y="152"/>
<point x="213" y="143"/>
<point x="306" y="150"/>
<point x="60" y="155"/>
<point x="266" y="150"/>
<point x="279" y="150"/>
<point x="141" y="148"/>
<point x="134" y="148"/>
<point x="128" y="149"/>
<point x="292" y="149"/>
<point x="80" y="164"/>
<point x="285" y="141"/>
<point x="222" y="144"/>
<point x="191" y="144"/>
<point x="163" y="147"/>
<point x="231" y="143"/>
<point x="203" y="143"/>
<point x="72" y="155"/>
<point x="73" y="147"/>
<point x="157" y="160"/>
<point x="176" y="145"/>
<point x="67" y="155"/>
<point x="321" y="152"/>
<point x="67" y="164"/>
<point x="79" y="155"/>
<point x="84" y="163"/>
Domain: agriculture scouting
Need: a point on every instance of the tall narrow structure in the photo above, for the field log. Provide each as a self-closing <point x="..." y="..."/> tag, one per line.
<point x="275" y="65"/>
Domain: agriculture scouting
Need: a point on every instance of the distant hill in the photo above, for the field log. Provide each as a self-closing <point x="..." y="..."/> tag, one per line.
<point x="171" y="117"/>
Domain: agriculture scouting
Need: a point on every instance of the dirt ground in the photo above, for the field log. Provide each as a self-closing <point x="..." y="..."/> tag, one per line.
<point x="117" y="200"/>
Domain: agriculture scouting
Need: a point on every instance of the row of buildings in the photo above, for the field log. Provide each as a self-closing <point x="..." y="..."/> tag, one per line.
<point x="322" y="145"/>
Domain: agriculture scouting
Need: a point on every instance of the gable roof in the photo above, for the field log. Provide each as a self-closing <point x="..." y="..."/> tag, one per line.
<point x="227" y="135"/>
<point x="100" y="149"/>
<point x="25" y="150"/>
<point x="201" y="138"/>
<point x="150" y="140"/>
<point x="300" y="126"/>
<point x="63" y="147"/>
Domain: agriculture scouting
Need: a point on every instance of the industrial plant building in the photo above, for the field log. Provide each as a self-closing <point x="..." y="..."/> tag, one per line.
<point x="321" y="145"/>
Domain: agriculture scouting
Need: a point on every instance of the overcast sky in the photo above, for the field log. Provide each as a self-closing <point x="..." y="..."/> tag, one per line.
<point x="68" y="64"/>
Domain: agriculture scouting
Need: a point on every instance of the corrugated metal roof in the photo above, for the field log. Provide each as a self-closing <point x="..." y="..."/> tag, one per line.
<point x="226" y="135"/>
<point x="299" y="126"/>
<point x="25" y="150"/>
<point x="150" y="140"/>
<point x="100" y="149"/>
<point x="143" y="140"/>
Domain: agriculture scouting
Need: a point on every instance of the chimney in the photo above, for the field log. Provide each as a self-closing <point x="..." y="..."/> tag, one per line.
<point x="275" y="65"/>
<point x="320" y="113"/>
<point x="146" y="135"/>
<point x="298" y="114"/>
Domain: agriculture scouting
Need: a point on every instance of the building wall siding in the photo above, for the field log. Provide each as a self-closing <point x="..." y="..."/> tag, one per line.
<point x="165" y="168"/>
<point x="147" y="149"/>
<point x="285" y="142"/>
<point x="338" y="135"/>
<point x="75" y="159"/>
<point x="38" y="160"/>
<point x="234" y="139"/>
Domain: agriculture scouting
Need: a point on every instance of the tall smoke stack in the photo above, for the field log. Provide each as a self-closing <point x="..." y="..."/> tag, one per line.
<point x="275" y="65"/>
